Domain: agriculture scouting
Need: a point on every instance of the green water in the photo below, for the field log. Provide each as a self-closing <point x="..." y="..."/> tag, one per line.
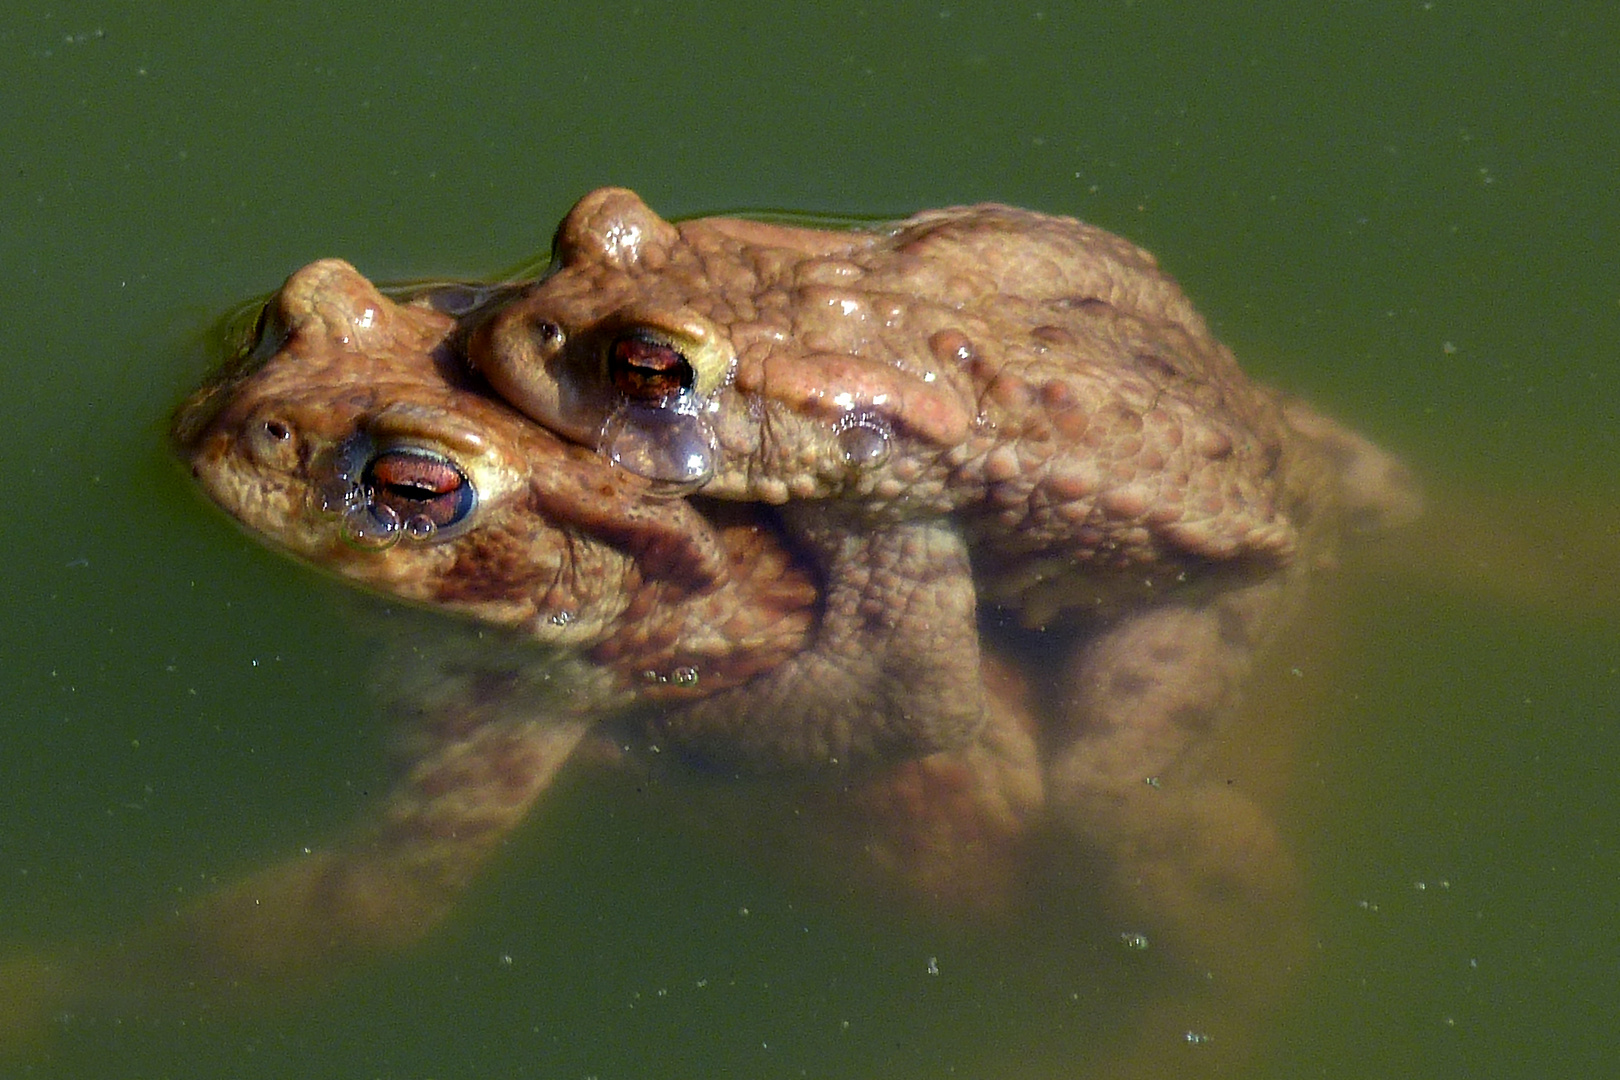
<point x="1404" y="211"/>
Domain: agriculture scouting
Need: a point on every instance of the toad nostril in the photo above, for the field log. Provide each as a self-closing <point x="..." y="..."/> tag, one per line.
<point x="272" y="441"/>
<point x="547" y="334"/>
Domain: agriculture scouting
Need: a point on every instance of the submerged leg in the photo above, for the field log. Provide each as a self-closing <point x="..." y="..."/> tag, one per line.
<point x="392" y="881"/>
<point x="948" y="832"/>
<point x="1187" y="858"/>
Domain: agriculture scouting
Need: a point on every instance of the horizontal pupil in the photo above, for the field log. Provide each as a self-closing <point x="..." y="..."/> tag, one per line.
<point x="413" y="491"/>
<point x="648" y="354"/>
<point x="414" y="477"/>
<point x="648" y="369"/>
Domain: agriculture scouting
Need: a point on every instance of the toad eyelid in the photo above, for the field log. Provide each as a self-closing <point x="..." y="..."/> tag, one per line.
<point x="414" y="424"/>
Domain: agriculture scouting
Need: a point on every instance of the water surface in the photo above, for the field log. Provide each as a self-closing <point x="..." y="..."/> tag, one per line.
<point x="1402" y="210"/>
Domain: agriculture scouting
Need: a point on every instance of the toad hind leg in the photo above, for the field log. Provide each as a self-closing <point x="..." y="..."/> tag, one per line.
<point x="1186" y="857"/>
<point x="395" y="879"/>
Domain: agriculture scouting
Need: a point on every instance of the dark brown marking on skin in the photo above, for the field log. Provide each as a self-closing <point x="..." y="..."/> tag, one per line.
<point x="1132" y="682"/>
<point x="660" y="536"/>
<point x="1089" y="304"/>
<point x="1194" y="719"/>
<point x="952" y="347"/>
<point x="492" y="566"/>
<point x="1159" y="361"/>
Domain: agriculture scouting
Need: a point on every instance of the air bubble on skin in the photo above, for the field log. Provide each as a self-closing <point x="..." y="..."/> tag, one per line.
<point x="339" y="495"/>
<point x="340" y="490"/>
<point x="561" y="618"/>
<point x="372" y="526"/>
<point x="684" y="677"/>
<point x="863" y="439"/>
<point x="420" y="527"/>
<point x="670" y="443"/>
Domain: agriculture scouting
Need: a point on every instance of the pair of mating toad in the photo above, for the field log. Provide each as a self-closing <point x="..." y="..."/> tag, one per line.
<point x="755" y="493"/>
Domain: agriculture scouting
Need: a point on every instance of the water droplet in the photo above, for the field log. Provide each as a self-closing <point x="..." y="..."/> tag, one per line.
<point x="339" y="490"/>
<point x="420" y="527"/>
<point x="864" y="440"/>
<point x="561" y="618"/>
<point x="670" y="443"/>
<point x="684" y="676"/>
<point x="371" y="526"/>
<point x="339" y="495"/>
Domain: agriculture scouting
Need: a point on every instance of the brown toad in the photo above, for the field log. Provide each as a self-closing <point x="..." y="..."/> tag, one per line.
<point x="362" y="446"/>
<point x="1025" y="390"/>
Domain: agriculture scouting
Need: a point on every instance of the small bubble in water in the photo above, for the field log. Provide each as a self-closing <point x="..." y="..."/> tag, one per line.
<point x="1134" y="940"/>
<point x="684" y="676"/>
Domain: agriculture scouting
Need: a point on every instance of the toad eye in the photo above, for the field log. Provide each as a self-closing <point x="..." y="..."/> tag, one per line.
<point x="643" y="368"/>
<point x="425" y="490"/>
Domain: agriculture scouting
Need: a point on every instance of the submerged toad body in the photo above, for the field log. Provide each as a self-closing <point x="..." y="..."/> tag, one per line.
<point x="1029" y="392"/>
<point x="351" y="436"/>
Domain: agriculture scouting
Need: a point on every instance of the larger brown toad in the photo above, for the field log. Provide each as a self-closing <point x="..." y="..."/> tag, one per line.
<point x="1025" y="390"/>
<point x="353" y="438"/>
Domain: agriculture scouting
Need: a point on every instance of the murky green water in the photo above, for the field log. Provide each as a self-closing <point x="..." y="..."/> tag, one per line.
<point x="1406" y="213"/>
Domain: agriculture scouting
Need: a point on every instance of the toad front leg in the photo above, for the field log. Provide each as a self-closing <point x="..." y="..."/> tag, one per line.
<point x="392" y="881"/>
<point x="893" y="668"/>
<point x="478" y="771"/>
